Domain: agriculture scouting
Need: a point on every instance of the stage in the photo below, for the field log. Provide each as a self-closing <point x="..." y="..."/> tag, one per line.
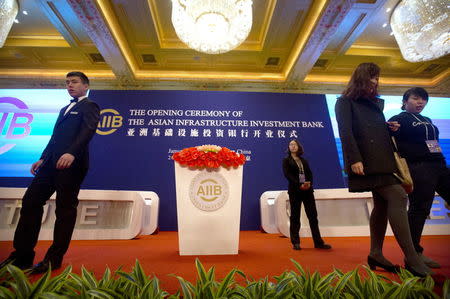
<point x="260" y="255"/>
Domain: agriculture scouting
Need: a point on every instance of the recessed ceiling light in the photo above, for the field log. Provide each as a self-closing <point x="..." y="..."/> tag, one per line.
<point x="25" y="12"/>
<point x="384" y="25"/>
<point x="392" y="33"/>
<point x="16" y="21"/>
<point x="388" y="10"/>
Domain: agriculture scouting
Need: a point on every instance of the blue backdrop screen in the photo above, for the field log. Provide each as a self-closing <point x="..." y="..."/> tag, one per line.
<point x="140" y="130"/>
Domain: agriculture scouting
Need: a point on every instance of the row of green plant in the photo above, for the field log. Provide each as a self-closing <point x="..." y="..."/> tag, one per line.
<point x="296" y="283"/>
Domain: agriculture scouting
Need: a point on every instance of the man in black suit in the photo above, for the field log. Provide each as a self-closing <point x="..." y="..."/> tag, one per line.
<point x="61" y="168"/>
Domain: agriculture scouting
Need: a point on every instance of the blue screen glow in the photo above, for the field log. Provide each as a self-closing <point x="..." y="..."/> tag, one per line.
<point x="26" y="124"/>
<point x="28" y="117"/>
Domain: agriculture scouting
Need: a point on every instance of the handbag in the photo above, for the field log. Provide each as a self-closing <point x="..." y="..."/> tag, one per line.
<point x="402" y="174"/>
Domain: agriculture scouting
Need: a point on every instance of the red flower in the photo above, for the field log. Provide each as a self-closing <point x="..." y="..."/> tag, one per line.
<point x="193" y="157"/>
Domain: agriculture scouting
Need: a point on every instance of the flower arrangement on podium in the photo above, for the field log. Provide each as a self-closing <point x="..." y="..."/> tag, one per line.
<point x="209" y="156"/>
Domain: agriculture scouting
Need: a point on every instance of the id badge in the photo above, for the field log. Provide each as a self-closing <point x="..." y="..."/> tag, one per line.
<point x="433" y="146"/>
<point x="302" y="178"/>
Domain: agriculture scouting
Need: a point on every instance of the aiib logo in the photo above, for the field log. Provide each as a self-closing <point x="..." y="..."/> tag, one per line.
<point x="209" y="191"/>
<point x="19" y="126"/>
<point x="110" y="121"/>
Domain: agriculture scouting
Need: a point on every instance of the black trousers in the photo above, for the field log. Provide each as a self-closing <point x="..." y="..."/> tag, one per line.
<point x="428" y="177"/>
<point x="67" y="184"/>
<point x="307" y="198"/>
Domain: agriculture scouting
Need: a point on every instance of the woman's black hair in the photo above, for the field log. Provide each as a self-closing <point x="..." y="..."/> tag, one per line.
<point x="415" y="91"/>
<point x="300" y="148"/>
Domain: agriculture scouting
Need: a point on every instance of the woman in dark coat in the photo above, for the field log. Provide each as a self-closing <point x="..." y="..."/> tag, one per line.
<point x="418" y="143"/>
<point x="369" y="162"/>
<point x="297" y="172"/>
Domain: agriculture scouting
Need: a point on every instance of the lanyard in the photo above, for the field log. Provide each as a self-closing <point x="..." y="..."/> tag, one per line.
<point x="425" y="123"/>
<point x="300" y="165"/>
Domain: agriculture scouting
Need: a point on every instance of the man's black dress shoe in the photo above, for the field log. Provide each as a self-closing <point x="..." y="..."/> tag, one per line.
<point x="16" y="262"/>
<point x="42" y="267"/>
<point x="323" y="246"/>
<point x="296" y="247"/>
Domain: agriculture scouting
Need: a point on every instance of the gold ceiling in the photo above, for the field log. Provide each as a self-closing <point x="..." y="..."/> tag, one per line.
<point x="294" y="46"/>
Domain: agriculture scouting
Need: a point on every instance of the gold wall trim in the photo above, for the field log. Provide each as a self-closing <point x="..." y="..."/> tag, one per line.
<point x="374" y="51"/>
<point x="222" y="76"/>
<point x="383" y="80"/>
<point x="317" y="9"/>
<point x="266" y="24"/>
<point x="111" y="21"/>
<point x="37" y="41"/>
<point x="53" y="74"/>
<point x="38" y="37"/>
<point x="156" y="21"/>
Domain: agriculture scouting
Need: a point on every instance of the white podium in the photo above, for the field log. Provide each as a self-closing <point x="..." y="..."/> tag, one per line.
<point x="208" y="209"/>
<point x="341" y="214"/>
<point x="267" y="203"/>
<point x="102" y="214"/>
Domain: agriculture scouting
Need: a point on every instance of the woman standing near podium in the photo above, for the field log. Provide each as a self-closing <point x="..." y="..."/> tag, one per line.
<point x="297" y="172"/>
<point x="369" y="162"/>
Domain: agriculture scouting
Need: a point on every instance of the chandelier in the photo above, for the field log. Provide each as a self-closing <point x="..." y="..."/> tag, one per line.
<point x="212" y="26"/>
<point x="422" y="29"/>
<point x="8" y="13"/>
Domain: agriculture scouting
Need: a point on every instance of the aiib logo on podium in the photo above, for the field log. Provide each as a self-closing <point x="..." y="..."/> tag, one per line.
<point x="209" y="191"/>
<point x="110" y="121"/>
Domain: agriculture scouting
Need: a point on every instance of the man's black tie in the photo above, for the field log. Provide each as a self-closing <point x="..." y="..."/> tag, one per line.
<point x="74" y="100"/>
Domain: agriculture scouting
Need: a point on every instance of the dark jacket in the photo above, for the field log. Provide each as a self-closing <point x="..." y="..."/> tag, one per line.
<point x="291" y="172"/>
<point x="72" y="133"/>
<point x="411" y="137"/>
<point x="365" y="138"/>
